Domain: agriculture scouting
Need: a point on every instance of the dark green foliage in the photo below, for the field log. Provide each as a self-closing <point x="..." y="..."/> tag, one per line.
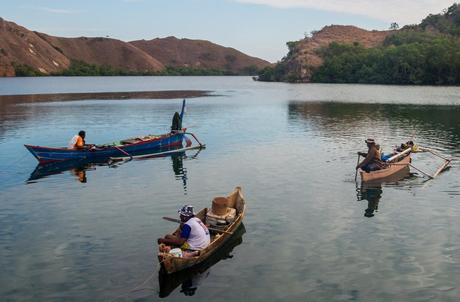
<point x="276" y="73"/>
<point x="447" y="23"/>
<point x="23" y="70"/>
<point x="427" y="54"/>
<point x="430" y="62"/>
<point x="79" y="68"/>
<point x="249" y="70"/>
<point x="189" y="71"/>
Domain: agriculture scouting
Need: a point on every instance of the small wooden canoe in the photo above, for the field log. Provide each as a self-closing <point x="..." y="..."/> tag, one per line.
<point x="190" y="277"/>
<point x="171" y="263"/>
<point x="390" y="170"/>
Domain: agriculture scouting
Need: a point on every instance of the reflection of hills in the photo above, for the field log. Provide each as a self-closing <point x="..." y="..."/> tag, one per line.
<point x="16" y="110"/>
<point x="341" y="119"/>
<point x="189" y="279"/>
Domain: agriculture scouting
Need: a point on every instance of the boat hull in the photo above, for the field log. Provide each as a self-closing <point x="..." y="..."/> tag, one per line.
<point x="47" y="155"/>
<point x="383" y="174"/>
<point x="172" y="264"/>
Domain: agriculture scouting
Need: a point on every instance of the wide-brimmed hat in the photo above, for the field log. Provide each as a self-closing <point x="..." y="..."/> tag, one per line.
<point x="186" y="211"/>
<point x="370" y="141"/>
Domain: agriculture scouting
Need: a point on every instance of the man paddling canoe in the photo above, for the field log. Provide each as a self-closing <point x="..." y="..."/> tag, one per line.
<point x="372" y="161"/>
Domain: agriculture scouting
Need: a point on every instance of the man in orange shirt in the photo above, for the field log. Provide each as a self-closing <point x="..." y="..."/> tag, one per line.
<point x="78" y="141"/>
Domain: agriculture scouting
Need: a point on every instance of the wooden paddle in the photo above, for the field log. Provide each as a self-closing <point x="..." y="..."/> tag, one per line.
<point x="209" y="228"/>
<point x="357" y="163"/>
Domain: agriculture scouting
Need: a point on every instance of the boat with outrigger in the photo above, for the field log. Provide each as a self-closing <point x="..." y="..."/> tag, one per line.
<point x="136" y="147"/>
<point x="400" y="160"/>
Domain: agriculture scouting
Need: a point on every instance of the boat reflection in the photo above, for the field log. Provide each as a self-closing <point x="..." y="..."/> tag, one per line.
<point x="79" y="168"/>
<point x="372" y="194"/>
<point x="372" y="191"/>
<point x="190" y="279"/>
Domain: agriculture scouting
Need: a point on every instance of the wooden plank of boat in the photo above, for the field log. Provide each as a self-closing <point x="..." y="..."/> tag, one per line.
<point x="172" y="264"/>
<point x="392" y="168"/>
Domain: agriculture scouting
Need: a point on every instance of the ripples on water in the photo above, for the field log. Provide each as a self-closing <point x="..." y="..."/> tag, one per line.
<point x="311" y="233"/>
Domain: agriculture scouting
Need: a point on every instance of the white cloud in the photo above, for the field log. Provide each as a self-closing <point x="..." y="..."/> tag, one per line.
<point x="58" y="10"/>
<point x="401" y="11"/>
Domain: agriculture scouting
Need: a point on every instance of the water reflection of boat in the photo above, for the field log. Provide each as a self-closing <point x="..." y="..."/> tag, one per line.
<point x="372" y="191"/>
<point x="79" y="167"/>
<point x="190" y="279"/>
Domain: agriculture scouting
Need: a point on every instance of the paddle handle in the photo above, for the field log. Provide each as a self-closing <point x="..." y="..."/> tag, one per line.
<point x="357" y="163"/>
<point x="209" y="228"/>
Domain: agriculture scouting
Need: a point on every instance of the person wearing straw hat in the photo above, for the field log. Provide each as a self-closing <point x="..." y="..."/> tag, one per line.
<point x="372" y="159"/>
<point x="194" y="234"/>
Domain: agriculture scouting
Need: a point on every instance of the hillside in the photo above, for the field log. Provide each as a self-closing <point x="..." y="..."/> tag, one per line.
<point x="175" y="52"/>
<point x="423" y="54"/>
<point x="104" y="51"/>
<point x="19" y="45"/>
<point x="305" y="56"/>
<point x="28" y="53"/>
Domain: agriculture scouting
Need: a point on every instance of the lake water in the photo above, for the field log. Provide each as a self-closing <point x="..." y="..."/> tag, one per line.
<point x="293" y="150"/>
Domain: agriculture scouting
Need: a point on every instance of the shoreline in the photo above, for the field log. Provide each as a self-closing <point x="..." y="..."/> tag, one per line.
<point x="79" y="96"/>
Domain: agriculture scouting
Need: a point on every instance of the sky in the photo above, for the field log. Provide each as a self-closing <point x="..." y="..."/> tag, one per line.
<point x="258" y="28"/>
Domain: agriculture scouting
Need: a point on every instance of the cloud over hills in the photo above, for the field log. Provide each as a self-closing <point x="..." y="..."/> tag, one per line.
<point x="401" y="11"/>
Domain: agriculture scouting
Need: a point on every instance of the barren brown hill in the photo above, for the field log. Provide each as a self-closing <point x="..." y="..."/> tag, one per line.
<point x="305" y="58"/>
<point x="35" y="52"/>
<point x="22" y="46"/>
<point x="198" y="54"/>
<point x="105" y="51"/>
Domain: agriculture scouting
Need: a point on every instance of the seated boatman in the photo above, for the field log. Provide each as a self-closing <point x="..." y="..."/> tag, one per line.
<point x="176" y="124"/>
<point x="78" y="141"/>
<point x="194" y="234"/>
<point x="372" y="159"/>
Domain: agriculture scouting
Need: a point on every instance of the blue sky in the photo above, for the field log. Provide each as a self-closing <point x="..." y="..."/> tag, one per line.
<point x="257" y="27"/>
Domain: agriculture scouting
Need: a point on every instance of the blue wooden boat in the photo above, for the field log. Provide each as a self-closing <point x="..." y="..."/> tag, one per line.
<point x="125" y="148"/>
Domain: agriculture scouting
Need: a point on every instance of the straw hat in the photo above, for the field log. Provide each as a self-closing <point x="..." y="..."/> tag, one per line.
<point x="220" y="205"/>
<point x="370" y="141"/>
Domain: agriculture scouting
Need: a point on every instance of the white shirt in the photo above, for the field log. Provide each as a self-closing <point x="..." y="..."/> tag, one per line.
<point x="199" y="237"/>
<point x="72" y="142"/>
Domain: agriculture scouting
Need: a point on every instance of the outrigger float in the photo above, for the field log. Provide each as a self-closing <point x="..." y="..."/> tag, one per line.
<point x="136" y="147"/>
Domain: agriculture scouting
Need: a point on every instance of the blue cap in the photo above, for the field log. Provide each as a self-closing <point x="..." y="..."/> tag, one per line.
<point x="186" y="211"/>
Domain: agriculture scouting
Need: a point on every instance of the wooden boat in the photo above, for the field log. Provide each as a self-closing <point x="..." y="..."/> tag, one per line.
<point x="191" y="276"/>
<point x="172" y="264"/>
<point x="124" y="148"/>
<point x="392" y="169"/>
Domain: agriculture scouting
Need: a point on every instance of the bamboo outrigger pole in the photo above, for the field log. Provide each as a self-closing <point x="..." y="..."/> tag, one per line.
<point x="399" y="154"/>
<point x="444" y="166"/>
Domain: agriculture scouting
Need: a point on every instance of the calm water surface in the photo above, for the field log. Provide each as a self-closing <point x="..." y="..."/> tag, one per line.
<point x="293" y="150"/>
